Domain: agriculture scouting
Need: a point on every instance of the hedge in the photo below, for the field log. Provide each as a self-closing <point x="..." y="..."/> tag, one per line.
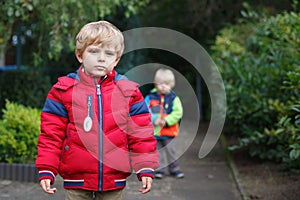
<point x="259" y="62"/>
<point x="19" y="130"/>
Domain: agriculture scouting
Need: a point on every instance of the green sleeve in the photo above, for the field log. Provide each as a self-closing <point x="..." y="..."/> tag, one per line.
<point x="176" y="113"/>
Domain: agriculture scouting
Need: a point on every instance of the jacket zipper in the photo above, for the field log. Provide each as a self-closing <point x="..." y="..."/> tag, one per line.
<point x="161" y="109"/>
<point x="100" y="134"/>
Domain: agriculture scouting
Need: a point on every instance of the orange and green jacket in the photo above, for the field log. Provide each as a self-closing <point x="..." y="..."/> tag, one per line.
<point x="167" y="107"/>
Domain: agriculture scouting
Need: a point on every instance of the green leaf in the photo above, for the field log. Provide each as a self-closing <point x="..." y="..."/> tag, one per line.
<point x="294" y="154"/>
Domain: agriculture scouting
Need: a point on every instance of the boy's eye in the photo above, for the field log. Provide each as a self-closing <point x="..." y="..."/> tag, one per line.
<point x="93" y="50"/>
<point x="110" y="53"/>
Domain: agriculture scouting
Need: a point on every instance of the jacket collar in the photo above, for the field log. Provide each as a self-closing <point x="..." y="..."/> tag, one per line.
<point x="90" y="80"/>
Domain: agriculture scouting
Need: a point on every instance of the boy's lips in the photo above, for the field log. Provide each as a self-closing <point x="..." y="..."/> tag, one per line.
<point x="100" y="67"/>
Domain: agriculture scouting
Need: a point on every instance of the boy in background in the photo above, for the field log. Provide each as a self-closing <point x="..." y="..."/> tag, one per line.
<point x="166" y="111"/>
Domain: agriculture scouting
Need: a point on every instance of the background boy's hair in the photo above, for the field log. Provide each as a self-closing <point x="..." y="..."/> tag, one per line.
<point x="100" y="32"/>
<point x="164" y="75"/>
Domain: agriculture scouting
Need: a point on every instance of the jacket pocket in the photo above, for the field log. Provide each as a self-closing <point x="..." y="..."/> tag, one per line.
<point x="170" y="131"/>
<point x="65" y="145"/>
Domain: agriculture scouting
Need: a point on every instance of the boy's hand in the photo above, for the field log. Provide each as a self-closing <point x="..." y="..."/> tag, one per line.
<point x="160" y="122"/>
<point x="157" y="122"/>
<point x="45" y="185"/>
<point x="146" y="184"/>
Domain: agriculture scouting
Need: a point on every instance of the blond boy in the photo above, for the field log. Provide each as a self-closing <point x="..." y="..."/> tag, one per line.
<point x="95" y="126"/>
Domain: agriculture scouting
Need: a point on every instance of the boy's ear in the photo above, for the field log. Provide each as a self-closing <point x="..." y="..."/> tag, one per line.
<point x="78" y="56"/>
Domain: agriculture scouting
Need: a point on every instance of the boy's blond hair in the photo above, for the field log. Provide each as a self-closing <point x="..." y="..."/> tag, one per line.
<point x="100" y="32"/>
<point x="164" y="76"/>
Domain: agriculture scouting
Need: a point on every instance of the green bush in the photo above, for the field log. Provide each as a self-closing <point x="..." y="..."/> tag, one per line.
<point x="19" y="130"/>
<point x="259" y="63"/>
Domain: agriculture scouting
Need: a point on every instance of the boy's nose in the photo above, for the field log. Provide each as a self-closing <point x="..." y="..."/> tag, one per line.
<point x="101" y="57"/>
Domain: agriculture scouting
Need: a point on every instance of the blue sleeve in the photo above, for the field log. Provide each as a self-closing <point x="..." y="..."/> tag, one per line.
<point x="153" y="117"/>
<point x="147" y="100"/>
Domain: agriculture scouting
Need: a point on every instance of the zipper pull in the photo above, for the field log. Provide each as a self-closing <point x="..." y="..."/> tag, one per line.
<point x="90" y="112"/>
<point x="98" y="89"/>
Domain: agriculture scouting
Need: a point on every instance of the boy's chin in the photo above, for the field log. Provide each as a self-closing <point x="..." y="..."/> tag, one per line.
<point x="98" y="75"/>
<point x="163" y="92"/>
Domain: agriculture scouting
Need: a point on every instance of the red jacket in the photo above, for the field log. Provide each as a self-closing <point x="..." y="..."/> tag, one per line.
<point x="97" y="153"/>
